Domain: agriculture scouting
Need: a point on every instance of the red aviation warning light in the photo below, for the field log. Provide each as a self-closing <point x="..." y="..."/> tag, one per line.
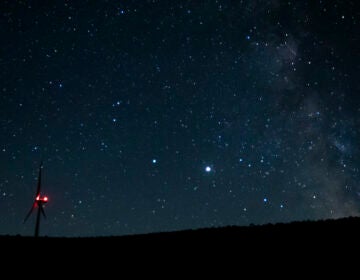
<point x="40" y="199"/>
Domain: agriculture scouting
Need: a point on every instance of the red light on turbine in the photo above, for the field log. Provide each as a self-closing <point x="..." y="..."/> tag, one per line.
<point x="37" y="198"/>
<point x="45" y="198"/>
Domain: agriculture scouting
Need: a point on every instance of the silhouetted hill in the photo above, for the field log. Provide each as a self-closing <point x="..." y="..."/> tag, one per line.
<point x="298" y="245"/>
<point x="294" y="234"/>
<point x="292" y="250"/>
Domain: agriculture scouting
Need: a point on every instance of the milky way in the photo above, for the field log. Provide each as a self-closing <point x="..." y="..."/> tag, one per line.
<point x="158" y="116"/>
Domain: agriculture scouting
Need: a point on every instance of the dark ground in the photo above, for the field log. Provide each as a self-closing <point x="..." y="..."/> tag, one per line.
<point x="320" y="238"/>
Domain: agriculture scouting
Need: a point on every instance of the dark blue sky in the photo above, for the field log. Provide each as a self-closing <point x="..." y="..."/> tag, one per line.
<point x="166" y="115"/>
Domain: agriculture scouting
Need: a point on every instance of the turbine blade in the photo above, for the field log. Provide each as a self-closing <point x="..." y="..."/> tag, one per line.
<point x="28" y="214"/>
<point x="39" y="180"/>
<point x="42" y="211"/>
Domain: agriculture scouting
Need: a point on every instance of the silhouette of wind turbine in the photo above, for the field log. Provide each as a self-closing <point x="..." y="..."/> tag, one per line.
<point x="39" y="204"/>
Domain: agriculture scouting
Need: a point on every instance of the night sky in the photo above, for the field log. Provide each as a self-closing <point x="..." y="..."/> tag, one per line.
<point x="167" y="115"/>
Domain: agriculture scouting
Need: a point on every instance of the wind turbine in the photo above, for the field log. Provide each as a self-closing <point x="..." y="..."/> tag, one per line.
<point x="38" y="203"/>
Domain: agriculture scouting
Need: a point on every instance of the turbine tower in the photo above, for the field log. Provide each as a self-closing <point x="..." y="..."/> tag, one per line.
<point x="39" y="204"/>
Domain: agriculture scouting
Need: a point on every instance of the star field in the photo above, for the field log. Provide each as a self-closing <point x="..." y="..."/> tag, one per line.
<point x="156" y="116"/>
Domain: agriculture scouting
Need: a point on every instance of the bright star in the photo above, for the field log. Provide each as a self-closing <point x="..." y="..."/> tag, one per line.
<point x="207" y="168"/>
